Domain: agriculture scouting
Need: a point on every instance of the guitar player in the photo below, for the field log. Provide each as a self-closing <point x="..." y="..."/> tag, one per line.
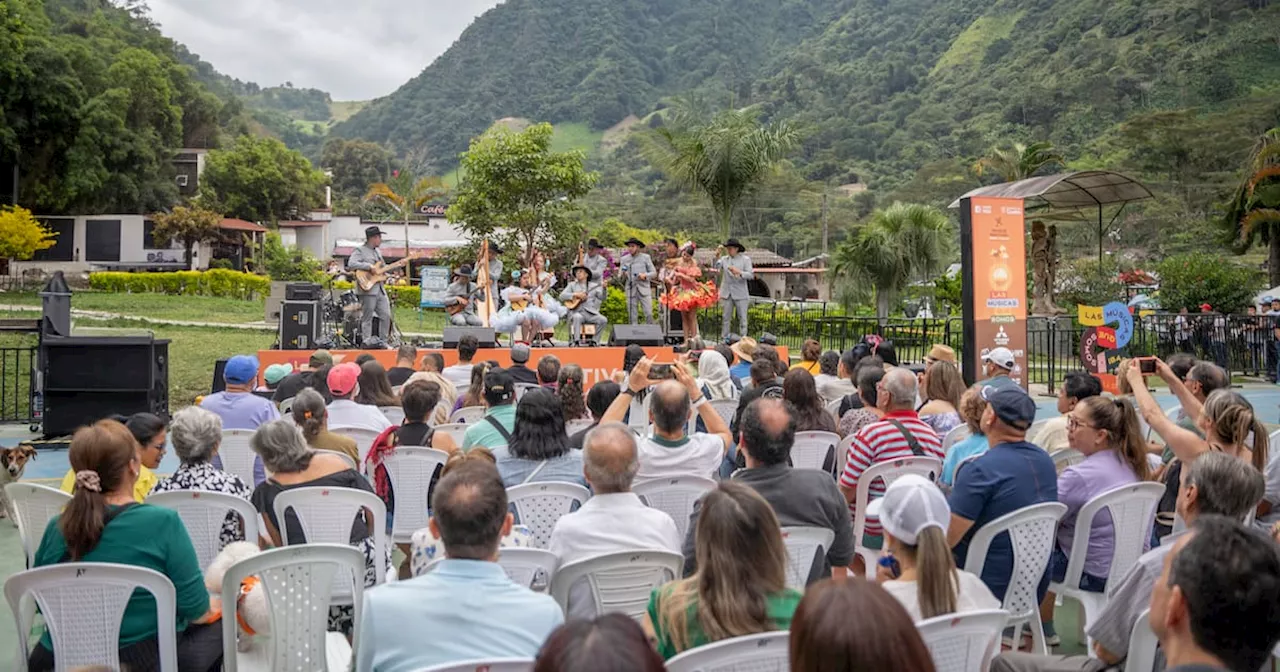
<point x="373" y="300"/>
<point x="583" y="297"/>
<point x="460" y="299"/>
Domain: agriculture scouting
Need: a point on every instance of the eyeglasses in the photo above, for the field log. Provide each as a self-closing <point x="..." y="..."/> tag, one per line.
<point x="1074" y="423"/>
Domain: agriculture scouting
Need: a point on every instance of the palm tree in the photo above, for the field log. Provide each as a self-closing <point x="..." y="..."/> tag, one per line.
<point x="1019" y="161"/>
<point x="902" y="243"/>
<point x="1254" y="210"/>
<point x="722" y="157"/>
<point x="405" y="195"/>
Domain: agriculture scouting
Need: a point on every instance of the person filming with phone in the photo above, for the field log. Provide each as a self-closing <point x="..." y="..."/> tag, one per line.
<point x="670" y="450"/>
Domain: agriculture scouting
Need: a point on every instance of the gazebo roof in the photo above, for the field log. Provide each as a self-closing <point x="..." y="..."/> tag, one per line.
<point x="1081" y="189"/>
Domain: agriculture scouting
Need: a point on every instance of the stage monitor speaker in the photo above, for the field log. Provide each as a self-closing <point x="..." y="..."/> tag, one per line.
<point x="302" y="291"/>
<point x="483" y="334"/>
<point x="90" y="378"/>
<point x="299" y="325"/>
<point x="637" y="334"/>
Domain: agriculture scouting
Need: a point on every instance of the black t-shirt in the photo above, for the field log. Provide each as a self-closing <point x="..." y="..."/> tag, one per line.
<point x="399" y="374"/>
<point x="848" y="403"/>
<point x="576" y="440"/>
<point x="523" y="374"/>
<point x="414" y="434"/>
<point x="291" y="385"/>
<point x="264" y="499"/>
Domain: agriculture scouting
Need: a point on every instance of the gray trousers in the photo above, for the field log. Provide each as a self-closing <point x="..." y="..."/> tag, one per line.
<point x="577" y="318"/>
<point x="465" y="319"/>
<point x="1028" y="662"/>
<point x="728" y="306"/>
<point x="375" y="304"/>
<point x="639" y="302"/>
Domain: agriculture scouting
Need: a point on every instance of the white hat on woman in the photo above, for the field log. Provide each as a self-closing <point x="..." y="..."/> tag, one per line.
<point x="911" y="504"/>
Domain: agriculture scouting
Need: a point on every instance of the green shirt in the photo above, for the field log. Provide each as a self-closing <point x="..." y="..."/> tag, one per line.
<point x="779" y="608"/>
<point x="485" y="435"/>
<point x="142" y="536"/>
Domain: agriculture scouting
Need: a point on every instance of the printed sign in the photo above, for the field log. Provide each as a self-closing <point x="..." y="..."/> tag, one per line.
<point x="435" y="280"/>
<point x="434" y="210"/>
<point x="1100" y="344"/>
<point x="999" y="279"/>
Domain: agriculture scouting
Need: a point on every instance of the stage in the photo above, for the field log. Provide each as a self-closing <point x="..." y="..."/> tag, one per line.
<point x="597" y="363"/>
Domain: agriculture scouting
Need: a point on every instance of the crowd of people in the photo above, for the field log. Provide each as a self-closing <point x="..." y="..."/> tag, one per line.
<point x="1211" y="581"/>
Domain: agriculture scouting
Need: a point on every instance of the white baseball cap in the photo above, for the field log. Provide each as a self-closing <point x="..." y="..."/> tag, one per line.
<point x="911" y="504"/>
<point x="1002" y="357"/>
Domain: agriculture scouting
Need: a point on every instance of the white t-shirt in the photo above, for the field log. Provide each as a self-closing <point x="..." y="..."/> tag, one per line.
<point x="696" y="455"/>
<point x="972" y="596"/>
<point x="458" y="374"/>
<point x="347" y="413"/>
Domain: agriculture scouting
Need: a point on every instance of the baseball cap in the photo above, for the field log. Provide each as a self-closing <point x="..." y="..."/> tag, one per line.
<point x="1001" y="357"/>
<point x="910" y="505"/>
<point x="519" y="353"/>
<point x="499" y="386"/>
<point x="342" y="378"/>
<point x="1011" y="404"/>
<point x="241" y="369"/>
<point x="276" y="372"/>
<point x="320" y="358"/>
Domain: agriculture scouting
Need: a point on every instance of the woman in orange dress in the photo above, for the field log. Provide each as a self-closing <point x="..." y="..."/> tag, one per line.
<point x="688" y="292"/>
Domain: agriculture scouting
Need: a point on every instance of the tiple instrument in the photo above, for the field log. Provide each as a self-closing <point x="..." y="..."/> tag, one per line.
<point x="458" y="307"/>
<point x="574" y="302"/>
<point x="367" y="280"/>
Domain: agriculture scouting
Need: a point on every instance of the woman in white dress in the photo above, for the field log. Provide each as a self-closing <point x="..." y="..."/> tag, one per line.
<point x="521" y="311"/>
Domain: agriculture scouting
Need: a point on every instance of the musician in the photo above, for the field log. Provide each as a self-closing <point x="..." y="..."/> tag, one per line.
<point x="462" y="292"/>
<point x="639" y="271"/>
<point x="544" y="281"/>
<point x="495" y="270"/>
<point x="736" y="270"/>
<point x="585" y="296"/>
<point x="520" y="311"/>
<point x="374" y="301"/>
<point x="596" y="262"/>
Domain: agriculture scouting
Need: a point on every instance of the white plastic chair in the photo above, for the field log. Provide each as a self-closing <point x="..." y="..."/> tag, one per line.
<point x="1142" y="646"/>
<point x="460" y="389"/>
<point x="833" y="409"/>
<point x="455" y="430"/>
<point x="33" y="507"/>
<point x="364" y="439"/>
<point x="765" y="652"/>
<point x="1066" y="457"/>
<point x="1035" y="428"/>
<point x="725" y="408"/>
<point x="532" y="568"/>
<point x="1172" y="413"/>
<point x="410" y="470"/>
<point x="811" y="449"/>
<point x="521" y="388"/>
<point x="638" y="415"/>
<point x="539" y="505"/>
<point x="619" y="582"/>
<point x="286" y="407"/>
<point x="1132" y="508"/>
<point x="888" y="472"/>
<point x="674" y="496"/>
<point x="395" y="414"/>
<point x="805" y="546"/>
<point x="1273" y="443"/>
<point x="203" y="514"/>
<point x="326" y="516"/>
<point x="236" y="455"/>
<point x="467" y="415"/>
<point x="1031" y="533"/>
<point x="82" y="604"/>
<point x="965" y="641"/>
<point x="299" y="581"/>
<point x="574" y="426"/>
<point x="492" y="665"/>
<point x="956" y="435"/>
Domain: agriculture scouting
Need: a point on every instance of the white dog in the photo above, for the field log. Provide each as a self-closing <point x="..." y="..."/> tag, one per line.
<point x="253" y="614"/>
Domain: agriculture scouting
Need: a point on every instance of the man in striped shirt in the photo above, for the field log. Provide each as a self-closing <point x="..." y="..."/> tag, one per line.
<point x="899" y="433"/>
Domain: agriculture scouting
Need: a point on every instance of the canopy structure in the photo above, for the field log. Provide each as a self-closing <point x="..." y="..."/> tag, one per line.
<point x="1065" y="191"/>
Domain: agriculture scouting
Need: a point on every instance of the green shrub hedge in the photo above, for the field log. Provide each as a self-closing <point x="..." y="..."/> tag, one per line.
<point x="216" y="282"/>
<point x="400" y="295"/>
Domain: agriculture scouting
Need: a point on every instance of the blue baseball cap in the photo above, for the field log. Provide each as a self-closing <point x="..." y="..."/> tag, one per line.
<point x="1011" y="404"/>
<point x="241" y="369"/>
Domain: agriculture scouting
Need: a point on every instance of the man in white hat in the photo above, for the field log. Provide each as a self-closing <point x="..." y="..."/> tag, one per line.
<point x="997" y="364"/>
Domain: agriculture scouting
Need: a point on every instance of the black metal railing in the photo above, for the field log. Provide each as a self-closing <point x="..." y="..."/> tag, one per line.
<point x="18" y="384"/>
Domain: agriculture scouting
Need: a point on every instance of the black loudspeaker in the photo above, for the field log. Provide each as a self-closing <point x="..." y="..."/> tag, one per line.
<point x="638" y="334"/>
<point x="299" y="325"/>
<point x="302" y="291"/>
<point x="90" y="378"/>
<point x="482" y="334"/>
<point x="219" y="383"/>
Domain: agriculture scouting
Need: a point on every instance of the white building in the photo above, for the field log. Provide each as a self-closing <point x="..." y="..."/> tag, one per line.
<point x="106" y="242"/>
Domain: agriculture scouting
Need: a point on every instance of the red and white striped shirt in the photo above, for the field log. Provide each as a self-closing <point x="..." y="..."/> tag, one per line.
<point x="881" y="442"/>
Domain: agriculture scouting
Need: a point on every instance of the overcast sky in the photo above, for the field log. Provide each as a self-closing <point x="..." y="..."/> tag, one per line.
<point x="354" y="49"/>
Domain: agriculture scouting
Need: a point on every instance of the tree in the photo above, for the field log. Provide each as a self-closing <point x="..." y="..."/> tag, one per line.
<point x="356" y="165"/>
<point x="1019" y="161"/>
<point x="259" y="179"/>
<point x="22" y="235"/>
<point x="188" y="225"/>
<point x="1254" y="209"/>
<point x="405" y="194"/>
<point x="513" y="181"/>
<point x="1188" y="280"/>
<point x="902" y="243"/>
<point x="722" y="158"/>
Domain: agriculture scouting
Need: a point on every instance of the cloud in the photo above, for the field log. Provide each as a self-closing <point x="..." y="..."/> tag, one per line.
<point x="355" y="50"/>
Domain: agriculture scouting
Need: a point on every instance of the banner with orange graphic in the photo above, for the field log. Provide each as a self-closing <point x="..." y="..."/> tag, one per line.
<point x="994" y="256"/>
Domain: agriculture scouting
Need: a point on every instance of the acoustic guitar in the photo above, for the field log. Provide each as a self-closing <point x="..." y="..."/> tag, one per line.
<point x="367" y="280"/>
<point x="458" y="307"/>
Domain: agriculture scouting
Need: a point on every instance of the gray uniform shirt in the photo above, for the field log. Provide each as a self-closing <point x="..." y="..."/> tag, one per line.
<point x="635" y="265"/>
<point x="597" y="264"/>
<point x="595" y="295"/>
<point x="362" y="259"/>
<point x="456" y="290"/>
<point x="735" y="287"/>
<point x="1127" y="599"/>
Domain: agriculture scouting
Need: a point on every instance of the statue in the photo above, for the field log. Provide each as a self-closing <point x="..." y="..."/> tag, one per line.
<point x="1040" y="262"/>
<point x="1051" y="287"/>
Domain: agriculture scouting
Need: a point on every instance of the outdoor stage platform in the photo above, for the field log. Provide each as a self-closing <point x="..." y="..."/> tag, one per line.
<point x="597" y="363"/>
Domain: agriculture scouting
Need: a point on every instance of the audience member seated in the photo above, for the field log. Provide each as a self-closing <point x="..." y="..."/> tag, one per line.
<point x="569" y="387"/>
<point x="770" y="354"/>
<point x="841" y="626"/>
<point x="312" y="417"/>
<point x="763" y="383"/>
<point x="917" y="567"/>
<point x="196" y="436"/>
<point x="374" y="388"/>
<point x="460" y="373"/>
<point x="614" y="519"/>
<point x="426" y="546"/>
<point x="713" y="377"/>
<point x="1011" y="475"/>
<point x="448" y="391"/>
<point x="900" y="433"/>
<point x="238" y="406"/>
<point x="745" y="349"/>
<point x="344" y="411"/>
<point x="996" y="367"/>
<point x="670" y="450"/>
<point x="972" y="406"/>
<point x="730" y="361"/>
<point x="104" y="523"/>
<point x="1201" y="380"/>
<point x="942" y="386"/>
<point x="799" y="497"/>
<point x="466" y="608"/>
<point x="1076" y="387"/>
<point x="833" y="383"/>
<point x="852" y="361"/>
<point x="611" y="643"/>
<point x="293" y="465"/>
<point x="867" y="411"/>
<point x="548" y="371"/>
<point x="1106" y="432"/>
<point x="474" y="396"/>
<point x="1214" y="485"/>
<point x="433" y="362"/>
<point x="271" y="378"/>
<point x="599" y="398"/>
<point x="406" y="358"/>
<point x="740" y="587"/>
<point x="295" y="382"/>
<point x="520" y="371"/>
<point x="810" y="353"/>
<point x="811" y="415"/>
<point x="539" y="449"/>
<point x="499" y="420"/>
<point x="148" y="431"/>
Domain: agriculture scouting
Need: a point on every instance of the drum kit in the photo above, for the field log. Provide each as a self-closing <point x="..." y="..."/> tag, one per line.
<point x="342" y="313"/>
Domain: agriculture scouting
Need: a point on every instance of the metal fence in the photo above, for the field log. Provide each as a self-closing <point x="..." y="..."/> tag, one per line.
<point x="17" y="384"/>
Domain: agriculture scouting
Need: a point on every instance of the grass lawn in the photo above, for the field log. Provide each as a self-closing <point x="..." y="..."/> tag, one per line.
<point x="156" y="306"/>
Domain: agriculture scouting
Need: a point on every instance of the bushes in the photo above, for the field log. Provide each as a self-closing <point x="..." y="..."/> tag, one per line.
<point x="217" y="282"/>
<point x="1188" y="280"/>
<point x="400" y="295"/>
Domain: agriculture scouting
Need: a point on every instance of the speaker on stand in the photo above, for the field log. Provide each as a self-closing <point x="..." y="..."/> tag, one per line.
<point x="635" y="334"/>
<point x="485" y="335"/>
